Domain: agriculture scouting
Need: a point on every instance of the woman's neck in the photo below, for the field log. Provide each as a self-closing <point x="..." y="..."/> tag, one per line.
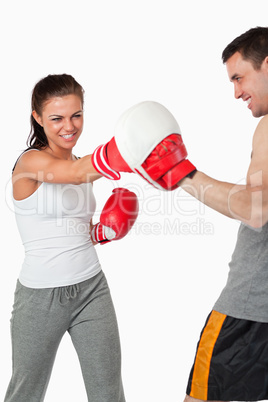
<point x="61" y="153"/>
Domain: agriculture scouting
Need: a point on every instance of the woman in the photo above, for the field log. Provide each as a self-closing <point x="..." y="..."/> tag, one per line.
<point x="61" y="286"/>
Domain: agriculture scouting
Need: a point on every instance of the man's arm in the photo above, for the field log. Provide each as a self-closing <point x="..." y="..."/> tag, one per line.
<point x="247" y="203"/>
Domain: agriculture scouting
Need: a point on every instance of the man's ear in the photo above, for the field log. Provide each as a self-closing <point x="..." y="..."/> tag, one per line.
<point x="37" y="118"/>
<point x="265" y="63"/>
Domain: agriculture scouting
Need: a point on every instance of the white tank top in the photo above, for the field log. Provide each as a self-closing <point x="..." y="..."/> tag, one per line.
<point x="54" y="226"/>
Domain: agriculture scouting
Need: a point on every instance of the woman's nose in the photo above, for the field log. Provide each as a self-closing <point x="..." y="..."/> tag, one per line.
<point x="68" y="125"/>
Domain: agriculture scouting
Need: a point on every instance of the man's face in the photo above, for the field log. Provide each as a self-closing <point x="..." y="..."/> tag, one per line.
<point x="249" y="84"/>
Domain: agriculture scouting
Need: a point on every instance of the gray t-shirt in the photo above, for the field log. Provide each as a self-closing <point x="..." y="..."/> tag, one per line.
<point x="245" y="295"/>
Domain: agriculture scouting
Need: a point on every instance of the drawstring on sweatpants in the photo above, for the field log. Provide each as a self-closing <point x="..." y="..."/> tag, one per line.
<point x="69" y="292"/>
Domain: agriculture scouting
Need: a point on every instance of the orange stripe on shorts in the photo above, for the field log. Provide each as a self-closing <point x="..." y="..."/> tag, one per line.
<point x="199" y="388"/>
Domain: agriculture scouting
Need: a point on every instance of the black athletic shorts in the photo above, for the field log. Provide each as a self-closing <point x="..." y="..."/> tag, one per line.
<point x="231" y="361"/>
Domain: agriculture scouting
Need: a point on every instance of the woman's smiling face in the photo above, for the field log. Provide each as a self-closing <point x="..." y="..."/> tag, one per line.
<point x="62" y="121"/>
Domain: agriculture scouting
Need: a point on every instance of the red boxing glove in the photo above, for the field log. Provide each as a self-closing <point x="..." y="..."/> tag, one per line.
<point x="117" y="218"/>
<point x="107" y="160"/>
<point x="147" y="141"/>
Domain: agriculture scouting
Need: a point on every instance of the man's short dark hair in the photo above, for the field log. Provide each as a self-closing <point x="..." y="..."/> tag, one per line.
<point x="253" y="46"/>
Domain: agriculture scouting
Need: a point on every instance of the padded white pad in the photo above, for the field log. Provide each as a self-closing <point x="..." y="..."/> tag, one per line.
<point x="140" y="129"/>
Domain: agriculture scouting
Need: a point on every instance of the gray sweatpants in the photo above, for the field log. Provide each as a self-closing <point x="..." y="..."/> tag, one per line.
<point x="39" y="320"/>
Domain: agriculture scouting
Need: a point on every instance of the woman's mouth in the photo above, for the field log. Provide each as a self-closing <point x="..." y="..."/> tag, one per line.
<point x="68" y="137"/>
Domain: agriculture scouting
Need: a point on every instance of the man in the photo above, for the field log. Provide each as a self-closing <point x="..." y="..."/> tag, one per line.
<point x="232" y="356"/>
<point x="231" y="361"/>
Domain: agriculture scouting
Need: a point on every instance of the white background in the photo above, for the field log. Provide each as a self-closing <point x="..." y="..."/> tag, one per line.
<point x="167" y="273"/>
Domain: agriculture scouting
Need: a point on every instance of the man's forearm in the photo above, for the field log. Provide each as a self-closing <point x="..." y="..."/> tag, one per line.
<point x="240" y="202"/>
